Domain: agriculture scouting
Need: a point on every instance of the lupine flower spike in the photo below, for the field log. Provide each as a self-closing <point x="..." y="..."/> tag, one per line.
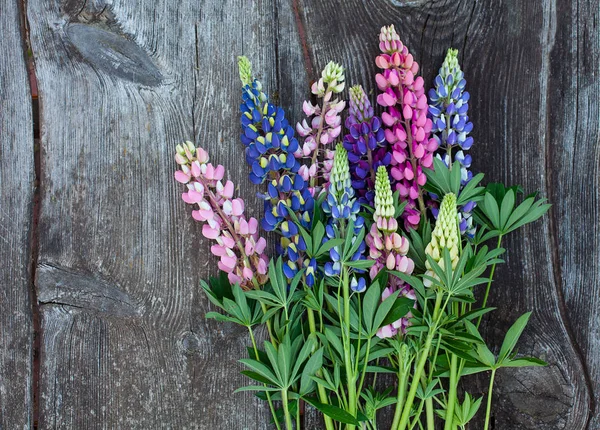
<point x="366" y="145"/>
<point x="445" y="235"/>
<point x="239" y="247"/>
<point x="449" y="103"/>
<point x="270" y="144"/>
<point x="322" y="126"/>
<point x="407" y="127"/>
<point x="342" y="206"/>
<point x="388" y="249"/>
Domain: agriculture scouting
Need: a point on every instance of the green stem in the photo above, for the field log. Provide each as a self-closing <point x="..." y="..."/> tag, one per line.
<point x="489" y="401"/>
<point x="286" y="410"/>
<point x="400" y="396"/>
<point x="451" y="394"/>
<point x="429" y="414"/>
<point x="364" y="372"/>
<point x="269" y="401"/>
<point x="298" y="424"/>
<point x="421" y="364"/>
<point x="489" y="284"/>
<point x="320" y="389"/>
<point x="350" y="379"/>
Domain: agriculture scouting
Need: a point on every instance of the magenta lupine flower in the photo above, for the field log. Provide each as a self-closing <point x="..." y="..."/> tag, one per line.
<point x="408" y="129"/>
<point x="239" y="247"/>
<point x="322" y="126"/>
<point x="388" y="249"/>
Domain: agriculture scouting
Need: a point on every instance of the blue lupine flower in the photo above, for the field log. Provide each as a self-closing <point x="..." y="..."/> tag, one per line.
<point x="270" y="146"/>
<point x="341" y="204"/>
<point x="449" y="103"/>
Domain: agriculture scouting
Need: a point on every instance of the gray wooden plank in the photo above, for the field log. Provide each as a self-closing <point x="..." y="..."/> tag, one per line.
<point x="16" y="203"/>
<point x="125" y="343"/>
<point x="573" y="134"/>
<point x="509" y="51"/>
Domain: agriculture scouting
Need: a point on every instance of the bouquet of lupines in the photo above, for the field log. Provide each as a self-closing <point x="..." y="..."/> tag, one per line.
<point x="382" y="237"/>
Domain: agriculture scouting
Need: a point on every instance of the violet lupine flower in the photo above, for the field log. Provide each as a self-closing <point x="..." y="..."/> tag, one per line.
<point x="322" y="126"/>
<point x="389" y="249"/>
<point x="341" y="205"/>
<point x="366" y="145"/>
<point x="239" y="247"/>
<point x="449" y="103"/>
<point x="270" y="144"/>
<point x="407" y="127"/>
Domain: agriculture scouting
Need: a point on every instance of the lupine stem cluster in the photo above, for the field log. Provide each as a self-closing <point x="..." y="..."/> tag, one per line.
<point x="332" y="309"/>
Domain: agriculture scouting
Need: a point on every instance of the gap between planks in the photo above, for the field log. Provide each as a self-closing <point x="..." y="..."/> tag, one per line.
<point x="35" y="216"/>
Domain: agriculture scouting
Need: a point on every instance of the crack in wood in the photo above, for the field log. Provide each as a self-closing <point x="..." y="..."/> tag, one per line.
<point x="67" y="287"/>
<point x="35" y="216"/>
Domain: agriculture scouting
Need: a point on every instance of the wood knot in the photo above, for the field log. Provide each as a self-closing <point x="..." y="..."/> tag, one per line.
<point x="189" y="343"/>
<point x="114" y="54"/>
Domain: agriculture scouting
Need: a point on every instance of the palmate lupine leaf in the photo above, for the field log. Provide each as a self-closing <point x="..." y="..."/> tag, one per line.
<point x="499" y="214"/>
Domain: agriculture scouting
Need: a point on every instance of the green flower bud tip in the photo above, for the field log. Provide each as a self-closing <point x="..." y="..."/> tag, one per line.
<point x="340" y="172"/>
<point x="245" y="68"/>
<point x="384" y="201"/>
<point x="333" y="74"/>
<point x="446" y="235"/>
<point x="450" y="65"/>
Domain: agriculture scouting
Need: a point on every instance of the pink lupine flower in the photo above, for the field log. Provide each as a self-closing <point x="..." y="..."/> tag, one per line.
<point x="239" y="247"/>
<point x="408" y="129"/>
<point x="388" y="249"/>
<point x="322" y="126"/>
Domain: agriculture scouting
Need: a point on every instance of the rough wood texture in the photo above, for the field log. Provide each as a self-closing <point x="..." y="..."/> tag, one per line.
<point x="125" y="343"/>
<point x="16" y="199"/>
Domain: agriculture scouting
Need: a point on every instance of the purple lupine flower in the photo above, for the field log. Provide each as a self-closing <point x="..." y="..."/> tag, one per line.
<point x="449" y="103"/>
<point x="239" y="247"/>
<point x="270" y="145"/>
<point x="322" y="126"/>
<point x="366" y="145"/>
<point x="407" y="127"/>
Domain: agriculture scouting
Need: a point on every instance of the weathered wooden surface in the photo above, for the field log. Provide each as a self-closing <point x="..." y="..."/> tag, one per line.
<point x="124" y="340"/>
<point x="16" y="202"/>
<point x="125" y="343"/>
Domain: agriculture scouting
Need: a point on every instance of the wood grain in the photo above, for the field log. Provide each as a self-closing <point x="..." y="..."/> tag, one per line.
<point x="16" y="205"/>
<point x="125" y="343"/>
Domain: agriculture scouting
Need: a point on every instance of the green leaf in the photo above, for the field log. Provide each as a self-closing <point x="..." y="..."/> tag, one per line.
<point x="333" y="412"/>
<point x="490" y="208"/>
<point x="508" y="204"/>
<point x="384" y="309"/>
<point x="524" y="362"/>
<point x="256" y="376"/>
<point x="255" y="388"/>
<point x="485" y="355"/>
<point x="401" y="307"/>
<point x="370" y="301"/>
<point x="261" y="369"/>
<point x="314" y="363"/>
<point x="512" y="336"/>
